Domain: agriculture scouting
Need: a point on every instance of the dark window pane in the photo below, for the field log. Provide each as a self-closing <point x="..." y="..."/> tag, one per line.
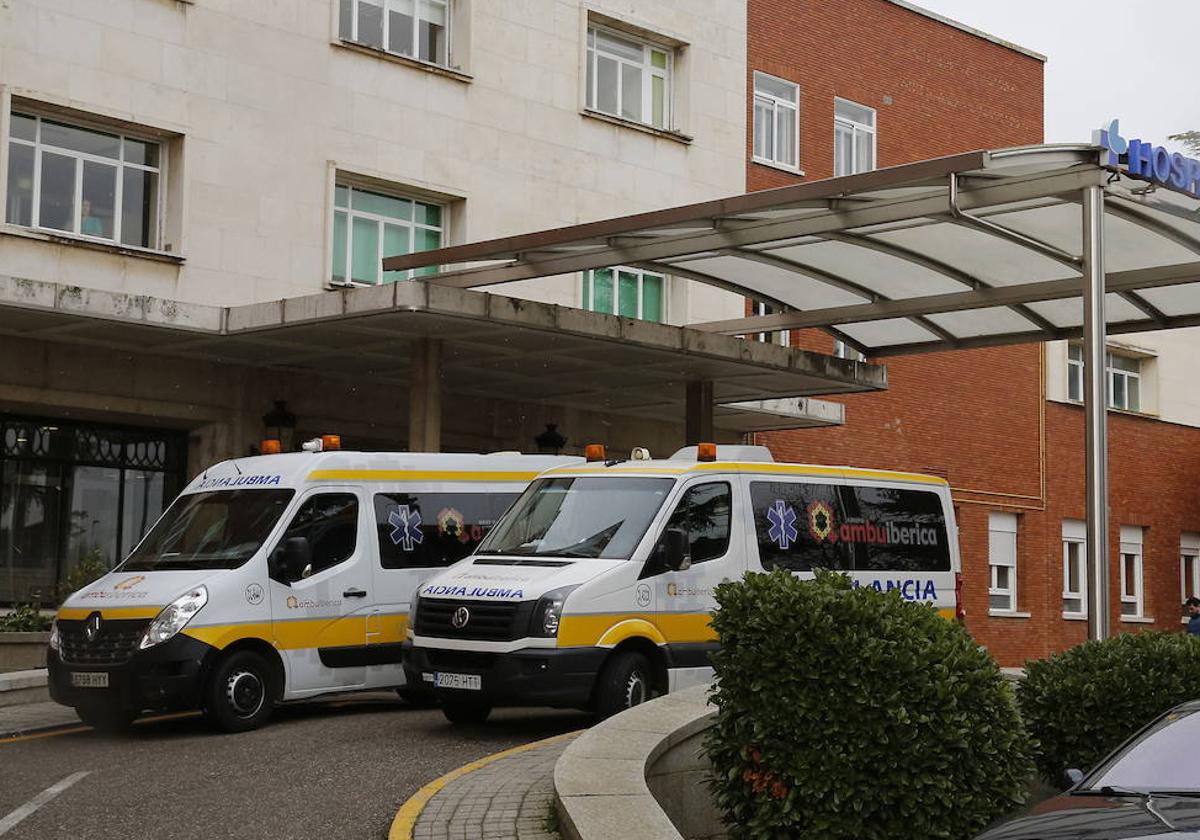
<point x="428" y="530"/>
<point x="607" y="74"/>
<point x="796" y="524"/>
<point x="98" y="208"/>
<point x="330" y="523"/>
<point x="139" y="208"/>
<point x="20" y="185"/>
<point x="703" y="513"/>
<point x="139" y="151"/>
<point x="346" y="19"/>
<point x="57" y="206"/>
<point x="432" y="46"/>
<point x="144" y="498"/>
<point x="631" y="92"/>
<point x="894" y="529"/>
<point x="23" y="127"/>
<point x="400" y="31"/>
<point x="98" y="446"/>
<point x="30" y="534"/>
<point x="81" y="139"/>
<point x="370" y="24"/>
<point x="92" y="527"/>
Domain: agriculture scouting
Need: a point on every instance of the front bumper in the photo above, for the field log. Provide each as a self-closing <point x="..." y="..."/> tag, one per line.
<point x="558" y="677"/>
<point x="168" y="676"/>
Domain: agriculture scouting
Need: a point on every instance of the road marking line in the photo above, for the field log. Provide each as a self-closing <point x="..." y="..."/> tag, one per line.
<point x="406" y="818"/>
<point x="9" y="822"/>
<point x="75" y="730"/>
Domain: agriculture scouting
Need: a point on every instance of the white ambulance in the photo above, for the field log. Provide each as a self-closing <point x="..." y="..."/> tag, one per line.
<point x="595" y="590"/>
<point x="275" y="578"/>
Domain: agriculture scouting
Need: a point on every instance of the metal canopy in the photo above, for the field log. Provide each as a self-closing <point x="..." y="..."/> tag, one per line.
<point x="975" y="249"/>
<point x="495" y="348"/>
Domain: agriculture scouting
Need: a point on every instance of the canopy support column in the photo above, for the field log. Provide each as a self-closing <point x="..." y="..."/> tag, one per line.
<point x="425" y="396"/>
<point x="1095" y="401"/>
<point x="698" y="426"/>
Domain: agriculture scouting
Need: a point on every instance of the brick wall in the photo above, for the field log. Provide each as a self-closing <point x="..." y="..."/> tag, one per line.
<point x="977" y="417"/>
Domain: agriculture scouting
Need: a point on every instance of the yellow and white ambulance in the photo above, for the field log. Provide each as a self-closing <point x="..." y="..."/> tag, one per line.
<point x="596" y="588"/>
<point x="275" y="578"/>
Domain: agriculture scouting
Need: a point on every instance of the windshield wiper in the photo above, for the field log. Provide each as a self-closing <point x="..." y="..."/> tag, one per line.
<point x="1145" y="799"/>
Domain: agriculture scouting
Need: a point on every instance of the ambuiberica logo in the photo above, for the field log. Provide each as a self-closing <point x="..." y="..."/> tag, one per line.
<point x="823" y="527"/>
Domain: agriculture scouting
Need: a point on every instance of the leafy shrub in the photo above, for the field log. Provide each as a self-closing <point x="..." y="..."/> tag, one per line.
<point x="24" y="618"/>
<point x="91" y="566"/>
<point x="1082" y="703"/>
<point x="848" y="713"/>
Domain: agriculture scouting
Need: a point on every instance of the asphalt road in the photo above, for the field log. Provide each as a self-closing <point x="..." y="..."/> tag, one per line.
<point x="333" y="769"/>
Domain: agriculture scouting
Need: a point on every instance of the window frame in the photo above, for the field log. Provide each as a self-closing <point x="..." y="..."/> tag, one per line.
<point x="780" y="337"/>
<point x="1075" y="380"/>
<point x="857" y="130"/>
<point x="775" y="104"/>
<point x="1189" y="549"/>
<point x="591" y="76"/>
<point x="353" y="38"/>
<point x="1132" y="546"/>
<point x="1074" y="533"/>
<point x="688" y="490"/>
<point x="158" y="215"/>
<point x="995" y="521"/>
<point x="298" y="505"/>
<point x="842" y="350"/>
<point x="394" y="192"/>
<point x="588" y="292"/>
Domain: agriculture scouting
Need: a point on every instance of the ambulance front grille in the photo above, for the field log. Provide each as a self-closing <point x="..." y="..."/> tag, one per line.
<point x="113" y="645"/>
<point x="488" y="621"/>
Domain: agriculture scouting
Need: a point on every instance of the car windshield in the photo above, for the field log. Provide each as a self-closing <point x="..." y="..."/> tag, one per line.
<point x="1162" y="760"/>
<point x="217" y="530"/>
<point x="579" y="517"/>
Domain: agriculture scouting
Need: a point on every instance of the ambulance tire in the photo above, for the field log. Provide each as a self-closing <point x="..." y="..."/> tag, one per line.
<point x="107" y="719"/>
<point x="241" y="692"/>
<point x="626" y="681"/>
<point x="465" y="712"/>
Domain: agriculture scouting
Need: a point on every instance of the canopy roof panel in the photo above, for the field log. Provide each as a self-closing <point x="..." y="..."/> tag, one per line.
<point x="963" y="251"/>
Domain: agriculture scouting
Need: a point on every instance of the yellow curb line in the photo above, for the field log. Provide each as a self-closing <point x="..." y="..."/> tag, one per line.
<point x="406" y="818"/>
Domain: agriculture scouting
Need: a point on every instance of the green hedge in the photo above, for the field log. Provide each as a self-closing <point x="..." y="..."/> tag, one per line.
<point x="1082" y="703"/>
<point x="849" y="713"/>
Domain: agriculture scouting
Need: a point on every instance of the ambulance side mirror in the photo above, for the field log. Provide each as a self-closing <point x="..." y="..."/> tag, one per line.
<point x="292" y="558"/>
<point x="677" y="546"/>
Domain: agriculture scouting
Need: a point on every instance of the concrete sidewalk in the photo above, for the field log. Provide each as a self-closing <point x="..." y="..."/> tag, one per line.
<point x="510" y="798"/>
<point x="28" y="718"/>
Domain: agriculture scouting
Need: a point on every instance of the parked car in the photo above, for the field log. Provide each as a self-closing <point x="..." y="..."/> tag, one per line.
<point x="1147" y="787"/>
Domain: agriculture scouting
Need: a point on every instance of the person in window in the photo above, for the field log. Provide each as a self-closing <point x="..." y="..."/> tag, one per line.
<point x="1192" y="605"/>
<point x="90" y="225"/>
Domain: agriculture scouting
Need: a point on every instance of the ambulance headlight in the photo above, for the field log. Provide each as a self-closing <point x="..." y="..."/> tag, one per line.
<point x="55" y="637"/>
<point x="547" y="613"/>
<point x="174" y="617"/>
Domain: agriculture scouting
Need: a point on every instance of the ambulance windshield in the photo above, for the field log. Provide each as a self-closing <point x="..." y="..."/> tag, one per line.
<point x="579" y="517"/>
<point x="217" y="530"/>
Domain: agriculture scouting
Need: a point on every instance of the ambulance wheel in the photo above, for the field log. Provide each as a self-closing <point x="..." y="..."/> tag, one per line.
<point x="241" y="694"/>
<point x="465" y="712"/>
<point x="107" y="719"/>
<point x="626" y="681"/>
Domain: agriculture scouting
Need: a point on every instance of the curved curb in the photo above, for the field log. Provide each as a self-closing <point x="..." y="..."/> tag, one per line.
<point x="406" y="818"/>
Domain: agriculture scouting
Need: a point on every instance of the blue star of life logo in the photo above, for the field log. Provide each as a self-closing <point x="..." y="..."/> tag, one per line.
<point x="783" y="524"/>
<point x="406" y="527"/>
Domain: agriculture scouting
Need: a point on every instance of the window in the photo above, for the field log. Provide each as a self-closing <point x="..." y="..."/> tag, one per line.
<point x="628" y="78"/>
<point x="370" y="225"/>
<point x="704" y="514"/>
<point x="1074" y="540"/>
<point x="1189" y="565"/>
<point x="1002" y="558"/>
<point x="844" y="351"/>
<point x="329" y="521"/>
<point x="96" y="184"/>
<point x="1132" y="596"/>
<point x="853" y="138"/>
<point x="1124" y="378"/>
<point x="635" y="294"/>
<point x="412" y="28"/>
<point x="783" y="337"/>
<point x="776" y="121"/>
<point x="428" y="530"/>
<point x="794" y="522"/>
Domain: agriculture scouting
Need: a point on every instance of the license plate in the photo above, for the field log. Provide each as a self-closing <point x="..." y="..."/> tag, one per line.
<point x="89" y="679"/>
<point x="468" y="682"/>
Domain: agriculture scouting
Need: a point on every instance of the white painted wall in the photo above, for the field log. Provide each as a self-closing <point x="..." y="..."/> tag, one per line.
<point x="1169" y="389"/>
<point x="265" y="104"/>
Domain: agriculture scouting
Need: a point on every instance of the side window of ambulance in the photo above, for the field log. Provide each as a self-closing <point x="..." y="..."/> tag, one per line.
<point x="703" y="513"/>
<point x="796" y="524"/>
<point x="895" y="529"/>
<point x="427" y="530"/>
<point x="330" y="523"/>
